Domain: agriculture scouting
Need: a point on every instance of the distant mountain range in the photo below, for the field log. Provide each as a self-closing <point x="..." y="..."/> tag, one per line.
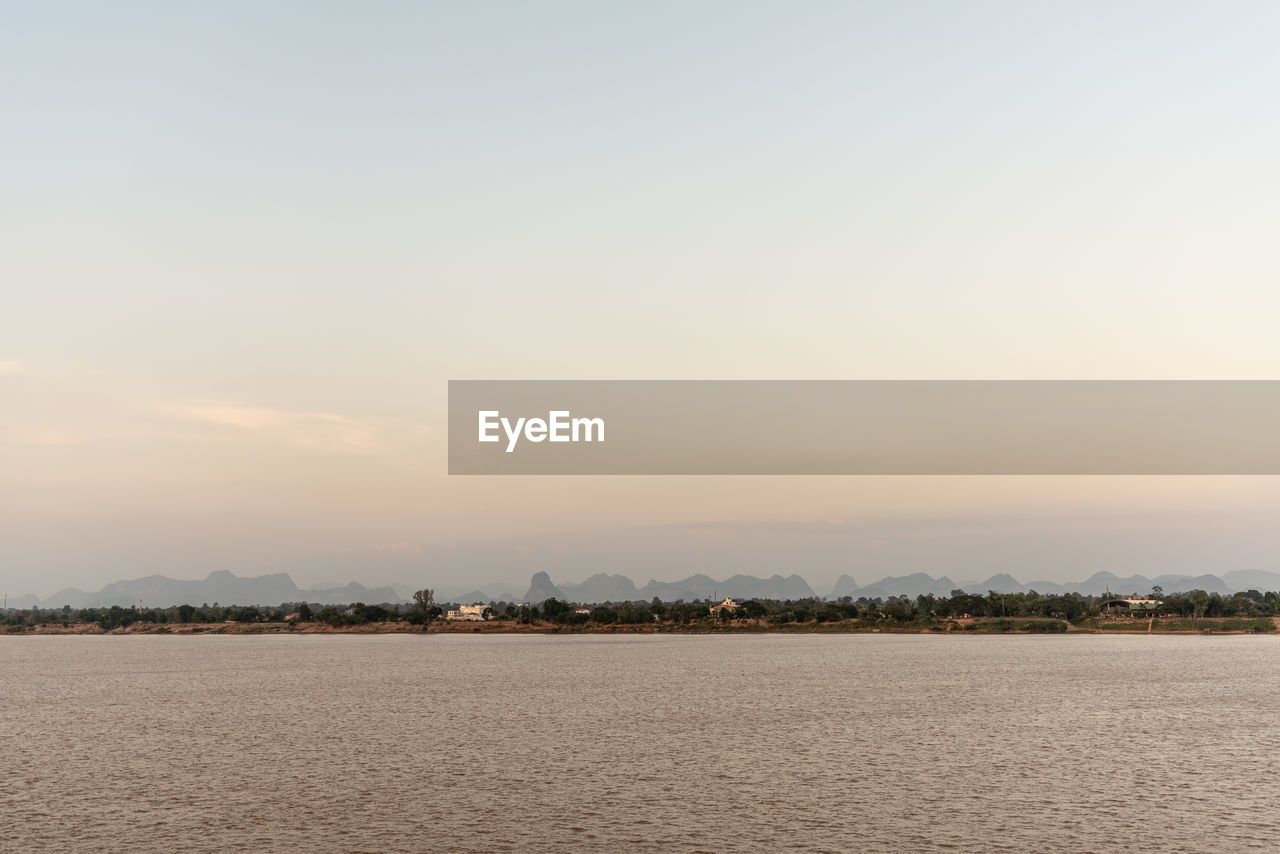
<point x="921" y="584"/>
<point x="223" y="587"/>
<point x="619" y="588"/>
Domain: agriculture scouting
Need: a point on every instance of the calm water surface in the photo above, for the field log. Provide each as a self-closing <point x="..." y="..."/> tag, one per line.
<point x="349" y="743"/>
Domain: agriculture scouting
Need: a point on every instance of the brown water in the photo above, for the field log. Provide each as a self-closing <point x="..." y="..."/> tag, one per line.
<point x="635" y="743"/>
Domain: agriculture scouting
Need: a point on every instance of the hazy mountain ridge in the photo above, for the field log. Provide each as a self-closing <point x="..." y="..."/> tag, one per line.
<point x="619" y="588"/>
<point x="917" y="584"/>
<point x="222" y="586"/>
<point x="541" y="589"/>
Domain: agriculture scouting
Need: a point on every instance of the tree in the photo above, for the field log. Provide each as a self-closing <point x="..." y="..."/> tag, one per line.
<point x="373" y="613"/>
<point x="658" y="609"/>
<point x="304" y="613"/>
<point x="423" y="602"/>
<point x="1069" y="607"/>
<point x="1199" y="600"/>
<point x="244" y="614"/>
<point x="332" y="616"/>
<point x="603" y="614"/>
<point x="554" y="608"/>
<point x="900" y="608"/>
<point x="117" y="616"/>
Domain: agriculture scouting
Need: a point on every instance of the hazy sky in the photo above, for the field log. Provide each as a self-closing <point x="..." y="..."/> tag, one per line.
<point x="245" y="245"/>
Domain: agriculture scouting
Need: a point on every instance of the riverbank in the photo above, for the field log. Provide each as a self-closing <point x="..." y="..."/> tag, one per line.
<point x="987" y="625"/>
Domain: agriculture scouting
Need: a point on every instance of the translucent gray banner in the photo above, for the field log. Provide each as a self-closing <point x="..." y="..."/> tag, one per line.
<point x="814" y="427"/>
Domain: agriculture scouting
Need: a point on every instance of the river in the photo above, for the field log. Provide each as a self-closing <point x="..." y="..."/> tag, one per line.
<point x="598" y="743"/>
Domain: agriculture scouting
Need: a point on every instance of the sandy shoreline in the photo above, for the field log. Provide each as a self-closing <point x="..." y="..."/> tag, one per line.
<point x="965" y="627"/>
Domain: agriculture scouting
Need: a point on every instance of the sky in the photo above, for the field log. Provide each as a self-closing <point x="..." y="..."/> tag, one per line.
<point x="246" y="245"/>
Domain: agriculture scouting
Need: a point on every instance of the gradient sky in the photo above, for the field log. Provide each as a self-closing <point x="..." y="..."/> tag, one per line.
<point x="247" y="244"/>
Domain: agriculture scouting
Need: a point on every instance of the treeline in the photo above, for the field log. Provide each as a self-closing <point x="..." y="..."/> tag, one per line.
<point x="117" y="617"/>
<point x="1070" y="607"/>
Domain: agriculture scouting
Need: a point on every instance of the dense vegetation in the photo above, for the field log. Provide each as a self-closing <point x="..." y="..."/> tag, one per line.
<point x="1012" y="611"/>
<point x="896" y="609"/>
<point x="116" y="616"/>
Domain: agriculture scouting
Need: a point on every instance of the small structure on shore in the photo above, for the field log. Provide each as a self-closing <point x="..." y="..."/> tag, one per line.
<point x="727" y="605"/>
<point x="1144" y="606"/>
<point x="467" y="612"/>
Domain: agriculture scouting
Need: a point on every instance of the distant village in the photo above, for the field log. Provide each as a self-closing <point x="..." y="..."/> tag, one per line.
<point x="1194" y="611"/>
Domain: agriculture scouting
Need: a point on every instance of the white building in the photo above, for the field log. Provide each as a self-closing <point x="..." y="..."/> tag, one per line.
<point x="467" y="612"/>
<point x="727" y="605"/>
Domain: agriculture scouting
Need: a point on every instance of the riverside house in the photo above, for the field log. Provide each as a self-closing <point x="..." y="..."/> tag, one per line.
<point x="1144" y="606"/>
<point x="727" y="605"/>
<point x="467" y="612"/>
